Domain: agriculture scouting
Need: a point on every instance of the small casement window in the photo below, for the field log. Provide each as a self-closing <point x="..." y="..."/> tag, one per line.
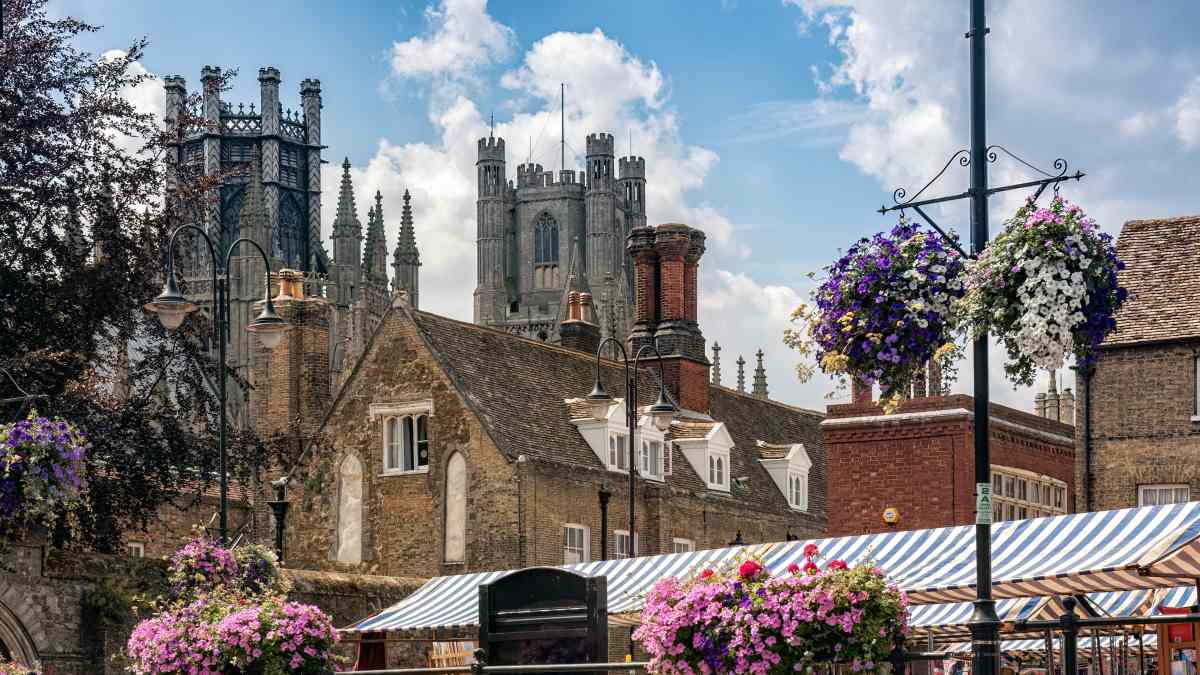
<point x="618" y="453"/>
<point x="650" y="461"/>
<point x="1166" y="493"/>
<point x="798" y="490"/>
<point x="716" y="470"/>
<point x="679" y="545"/>
<point x="575" y="544"/>
<point x="621" y="544"/>
<point x="135" y="549"/>
<point x="406" y="443"/>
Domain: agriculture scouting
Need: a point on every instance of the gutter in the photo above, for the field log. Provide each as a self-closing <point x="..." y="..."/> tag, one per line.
<point x="1087" y="437"/>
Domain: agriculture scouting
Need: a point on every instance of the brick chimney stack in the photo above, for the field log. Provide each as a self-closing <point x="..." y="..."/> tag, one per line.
<point x="291" y="382"/>
<point x="579" y="331"/>
<point x="666" y="262"/>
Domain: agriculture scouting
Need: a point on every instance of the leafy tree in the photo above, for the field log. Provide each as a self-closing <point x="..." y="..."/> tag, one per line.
<point x="83" y="228"/>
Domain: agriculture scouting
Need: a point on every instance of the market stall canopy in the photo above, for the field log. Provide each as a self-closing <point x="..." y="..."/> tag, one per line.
<point x="1145" y="548"/>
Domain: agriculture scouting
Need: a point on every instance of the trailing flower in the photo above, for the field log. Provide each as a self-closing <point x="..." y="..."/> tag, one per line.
<point x="1047" y="287"/>
<point x="884" y="310"/>
<point x="741" y="619"/>
<point x="201" y="566"/>
<point x="230" y="615"/>
<point x="41" y="472"/>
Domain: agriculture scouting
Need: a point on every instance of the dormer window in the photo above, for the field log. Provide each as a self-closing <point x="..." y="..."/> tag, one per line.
<point x="618" y="451"/>
<point x="608" y="437"/>
<point x="707" y="446"/>
<point x="789" y="466"/>
<point x="650" y="462"/>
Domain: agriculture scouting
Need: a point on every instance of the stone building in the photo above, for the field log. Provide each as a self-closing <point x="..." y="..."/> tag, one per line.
<point x="1138" y="409"/>
<point x="534" y="234"/>
<point x="267" y="164"/>
<point x="455" y="447"/>
<point x="920" y="462"/>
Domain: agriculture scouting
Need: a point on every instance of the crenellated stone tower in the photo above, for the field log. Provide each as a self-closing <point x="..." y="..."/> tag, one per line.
<point x="528" y="233"/>
<point x="266" y="162"/>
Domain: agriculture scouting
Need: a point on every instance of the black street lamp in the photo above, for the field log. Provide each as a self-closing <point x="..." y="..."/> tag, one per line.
<point x="661" y="413"/>
<point x="172" y="308"/>
<point x="280" y="508"/>
<point x="984" y="623"/>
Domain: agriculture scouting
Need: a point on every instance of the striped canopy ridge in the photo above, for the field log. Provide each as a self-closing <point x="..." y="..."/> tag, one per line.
<point x="1083" y="645"/>
<point x="1075" y="554"/>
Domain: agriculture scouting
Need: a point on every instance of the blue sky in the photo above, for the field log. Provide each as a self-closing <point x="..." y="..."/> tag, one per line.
<point x="778" y="127"/>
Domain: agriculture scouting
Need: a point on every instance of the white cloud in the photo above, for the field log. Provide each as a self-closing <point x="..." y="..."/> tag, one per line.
<point x="464" y="38"/>
<point x="816" y="122"/>
<point x="744" y="316"/>
<point x="1187" y="115"/>
<point x="146" y="97"/>
<point x="607" y="89"/>
<point x="1099" y="86"/>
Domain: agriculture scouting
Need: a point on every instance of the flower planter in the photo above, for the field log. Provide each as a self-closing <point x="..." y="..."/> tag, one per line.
<point x="1046" y="287"/>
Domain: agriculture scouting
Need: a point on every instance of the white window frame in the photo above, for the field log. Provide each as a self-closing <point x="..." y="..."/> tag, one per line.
<point x="584" y="552"/>
<point x="797" y="489"/>
<point x="1196" y="393"/>
<point x="618" y="536"/>
<point x="413" y="410"/>
<point x="1050" y="499"/>
<point x="682" y="545"/>
<point x="650" y="458"/>
<point x="1160" y="487"/>
<point x="135" y="549"/>
<point x="618" y="450"/>
<point x="717" y="475"/>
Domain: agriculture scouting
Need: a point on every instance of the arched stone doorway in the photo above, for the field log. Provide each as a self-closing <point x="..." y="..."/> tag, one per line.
<point x="15" y="641"/>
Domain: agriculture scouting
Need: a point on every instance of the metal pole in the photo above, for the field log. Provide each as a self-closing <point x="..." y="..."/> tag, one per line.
<point x="1070" y="635"/>
<point x="631" y="411"/>
<point x="605" y="495"/>
<point x="222" y="318"/>
<point x="985" y="628"/>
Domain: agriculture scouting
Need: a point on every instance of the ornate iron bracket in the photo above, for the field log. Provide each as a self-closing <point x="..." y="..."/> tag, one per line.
<point x="963" y="157"/>
<point x="993" y="154"/>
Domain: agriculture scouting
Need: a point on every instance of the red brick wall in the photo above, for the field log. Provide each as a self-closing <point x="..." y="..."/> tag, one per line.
<point x="925" y="467"/>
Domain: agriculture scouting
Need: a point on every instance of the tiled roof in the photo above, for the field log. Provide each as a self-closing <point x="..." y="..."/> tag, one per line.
<point x="520" y="388"/>
<point x="1162" y="273"/>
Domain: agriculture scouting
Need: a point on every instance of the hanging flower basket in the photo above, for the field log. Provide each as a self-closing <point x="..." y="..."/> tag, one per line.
<point x="41" y="472"/>
<point x="228" y="614"/>
<point x="742" y="619"/>
<point x="884" y="310"/>
<point x="14" y="668"/>
<point x="1047" y="287"/>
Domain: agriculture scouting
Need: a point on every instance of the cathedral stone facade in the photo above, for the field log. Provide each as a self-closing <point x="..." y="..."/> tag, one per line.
<point x="266" y="162"/>
<point x="547" y="235"/>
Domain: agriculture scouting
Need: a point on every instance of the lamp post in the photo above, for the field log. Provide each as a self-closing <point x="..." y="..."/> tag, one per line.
<point x="984" y="623"/>
<point x="280" y="509"/>
<point x="172" y="307"/>
<point x="661" y="413"/>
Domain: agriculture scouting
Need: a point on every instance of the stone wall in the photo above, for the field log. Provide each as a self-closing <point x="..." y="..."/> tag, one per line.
<point x="921" y="460"/>
<point x="71" y="610"/>
<point x="1143" y="429"/>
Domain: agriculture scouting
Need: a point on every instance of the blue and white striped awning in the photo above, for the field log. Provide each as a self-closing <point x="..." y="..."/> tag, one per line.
<point x="1180" y="596"/>
<point x="1062" y="555"/>
<point x="1083" y="647"/>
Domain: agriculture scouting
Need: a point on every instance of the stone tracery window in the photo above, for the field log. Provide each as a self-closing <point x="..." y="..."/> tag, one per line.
<point x="545" y="240"/>
<point x="406" y="444"/>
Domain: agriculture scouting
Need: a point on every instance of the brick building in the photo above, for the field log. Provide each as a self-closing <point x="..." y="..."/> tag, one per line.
<point x="1138" y="411"/>
<point x="455" y="447"/>
<point x="920" y="461"/>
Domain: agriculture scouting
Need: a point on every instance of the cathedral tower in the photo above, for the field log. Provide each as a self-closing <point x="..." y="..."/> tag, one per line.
<point x="347" y="242"/>
<point x="492" y="218"/>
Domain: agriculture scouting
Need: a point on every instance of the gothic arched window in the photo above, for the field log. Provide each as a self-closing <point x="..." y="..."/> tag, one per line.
<point x="545" y="240"/>
<point x="456" y="509"/>
<point x="291" y="238"/>
<point x="350" y="511"/>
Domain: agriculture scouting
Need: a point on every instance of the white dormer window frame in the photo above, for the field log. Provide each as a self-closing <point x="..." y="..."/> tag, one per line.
<point x="609" y="440"/>
<point x="790" y="474"/>
<point x="710" y="456"/>
<point x="405" y="436"/>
